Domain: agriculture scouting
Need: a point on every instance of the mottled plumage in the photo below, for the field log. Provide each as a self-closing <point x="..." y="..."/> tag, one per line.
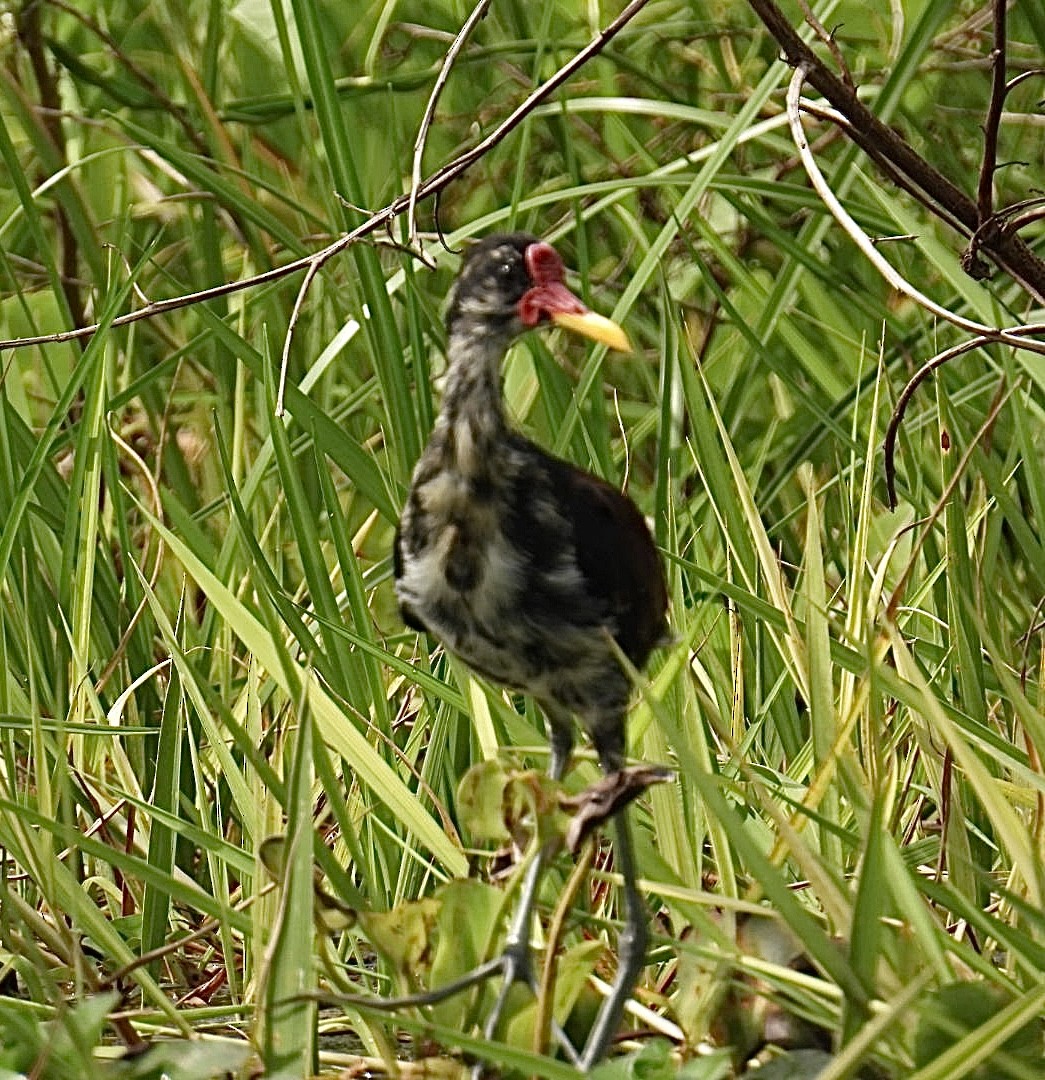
<point x="532" y="571"/>
<point x="520" y="563"/>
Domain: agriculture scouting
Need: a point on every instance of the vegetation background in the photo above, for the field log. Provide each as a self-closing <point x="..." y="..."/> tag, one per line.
<point x="198" y="643"/>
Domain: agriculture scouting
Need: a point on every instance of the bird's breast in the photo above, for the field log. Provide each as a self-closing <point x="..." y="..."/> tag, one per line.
<point x="454" y="556"/>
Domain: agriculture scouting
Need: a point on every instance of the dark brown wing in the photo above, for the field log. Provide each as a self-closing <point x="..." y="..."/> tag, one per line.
<point x="618" y="559"/>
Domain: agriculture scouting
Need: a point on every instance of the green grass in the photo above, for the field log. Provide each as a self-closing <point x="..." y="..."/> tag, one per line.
<point x="199" y="647"/>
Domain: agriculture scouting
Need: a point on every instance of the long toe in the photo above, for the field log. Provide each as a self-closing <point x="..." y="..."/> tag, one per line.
<point x="516" y="967"/>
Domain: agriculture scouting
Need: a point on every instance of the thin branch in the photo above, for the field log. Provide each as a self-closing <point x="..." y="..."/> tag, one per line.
<point x="985" y="190"/>
<point x="972" y="264"/>
<point x="1022" y="77"/>
<point x="829" y="40"/>
<point x="439" y="225"/>
<point x="897" y="594"/>
<point x="437" y="182"/>
<point x="477" y="975"/>
<point x="898" y="179"/>
<point x="1027" y="217"/>
<point x="1014" y="336"/>
<point x="893" y="430"/>
<point x="478" y="13"/>
<point x="173" y="303"/>
<point x="1014" y="209"/>
<point x="284" y="362"/>
<point x="1006" y="221"/>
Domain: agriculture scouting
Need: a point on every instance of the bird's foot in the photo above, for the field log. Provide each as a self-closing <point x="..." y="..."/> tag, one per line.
<point x="516" y="966"/>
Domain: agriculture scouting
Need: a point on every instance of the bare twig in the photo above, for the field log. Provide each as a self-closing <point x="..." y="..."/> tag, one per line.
<point x="988" y="221"/>
<point x="1027" y="217"/>
<point x="471" y="978"/>
<point x="478" y="13"/>
<point x="897" y="178"/>
<point x="1022" y="77"/>
<point x="884" y="144"/>
<point x="893" y="430"/>
<point x="437" y="182"/>
<point x="985" y="190"/>
<point x="439" y="226"/>
<point x="313" y="269"/>
<point x="828" y="38"/>
<point x="1004" y="222"/>
<point x="1015" y="209"/>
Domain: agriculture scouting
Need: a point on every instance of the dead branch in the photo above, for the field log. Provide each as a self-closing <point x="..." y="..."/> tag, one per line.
<point x="887" y="148"/>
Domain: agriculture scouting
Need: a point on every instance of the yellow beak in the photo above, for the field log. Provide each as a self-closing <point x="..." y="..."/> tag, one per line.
<point x="596" y="327"/>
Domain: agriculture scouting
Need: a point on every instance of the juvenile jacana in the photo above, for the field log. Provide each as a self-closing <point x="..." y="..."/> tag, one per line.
<point x="537" y="574"/>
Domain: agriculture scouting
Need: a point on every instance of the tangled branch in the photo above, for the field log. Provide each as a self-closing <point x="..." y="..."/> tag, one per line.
<point x="895" y="156"/>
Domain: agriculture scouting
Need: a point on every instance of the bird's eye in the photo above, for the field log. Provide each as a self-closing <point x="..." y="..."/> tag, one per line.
<point x="506" y="269"/>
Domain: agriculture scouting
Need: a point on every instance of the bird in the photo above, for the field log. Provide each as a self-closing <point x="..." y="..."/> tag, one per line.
<point x="535" y="573"/>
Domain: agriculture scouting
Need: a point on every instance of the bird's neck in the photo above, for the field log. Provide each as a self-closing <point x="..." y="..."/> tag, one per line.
<point x="472" y="415"/>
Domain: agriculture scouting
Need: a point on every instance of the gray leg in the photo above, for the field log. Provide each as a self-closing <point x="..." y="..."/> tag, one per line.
<point x="516" y="955"/>
<point x="631" y="950"/>
<point x="516" y="959"/>
<point x="560" y="736"/>
<point x="631" y="945"/>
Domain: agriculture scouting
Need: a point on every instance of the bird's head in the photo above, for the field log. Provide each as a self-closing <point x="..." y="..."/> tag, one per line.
<point x="512" y="283"/>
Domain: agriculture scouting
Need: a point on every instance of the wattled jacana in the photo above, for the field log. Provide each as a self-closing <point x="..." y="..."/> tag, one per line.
<point x="537" y="574"/>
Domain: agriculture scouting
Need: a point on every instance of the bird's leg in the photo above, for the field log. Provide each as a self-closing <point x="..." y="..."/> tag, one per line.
<point x="516" y="965"/>
<point x="631" y="945"/>
<point x="516" y="958"/>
